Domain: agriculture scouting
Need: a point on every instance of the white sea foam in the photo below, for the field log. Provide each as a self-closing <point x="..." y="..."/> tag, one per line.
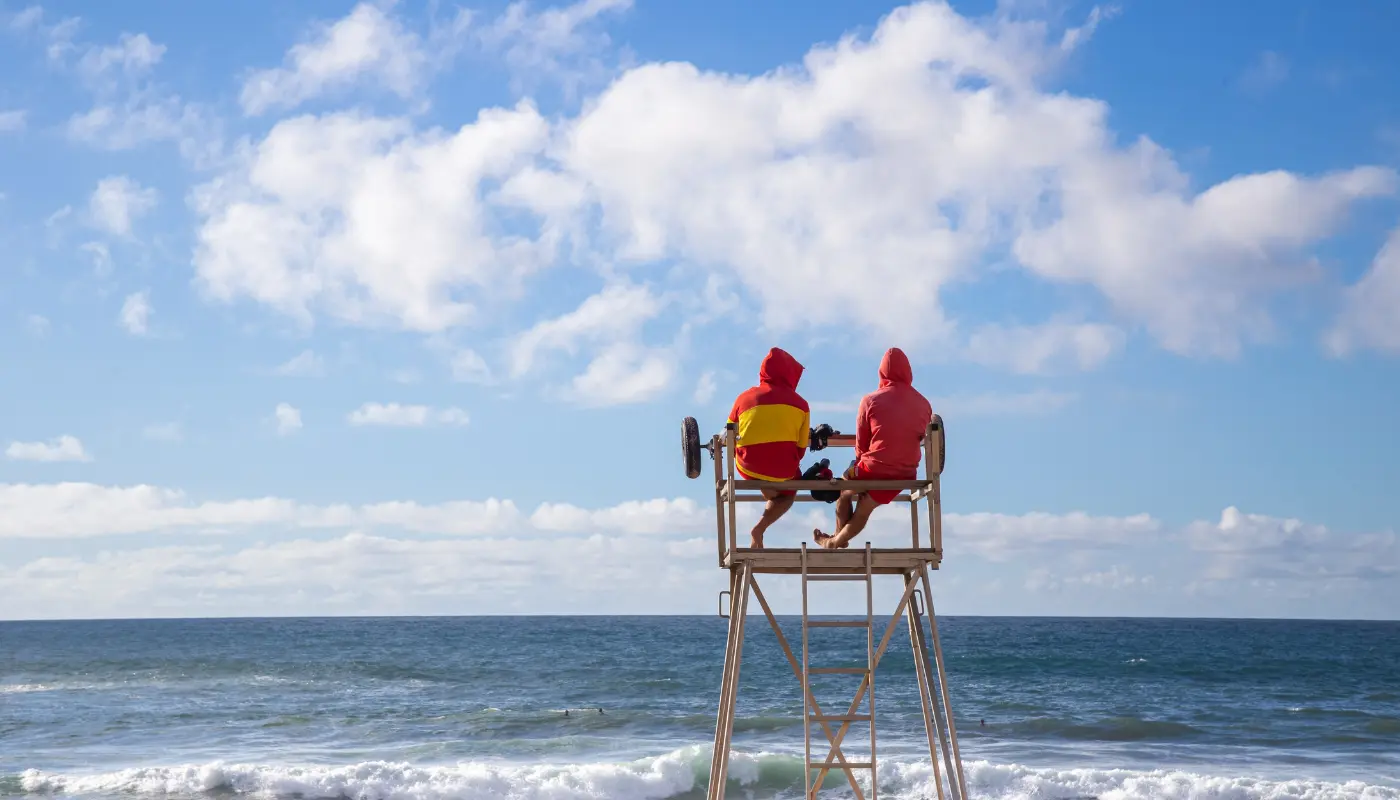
<point x="680" y="772"/>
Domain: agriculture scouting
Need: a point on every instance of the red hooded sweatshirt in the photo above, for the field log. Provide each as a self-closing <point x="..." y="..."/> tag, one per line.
<point x="773" y="420"/>
<point x="891" y="422"/>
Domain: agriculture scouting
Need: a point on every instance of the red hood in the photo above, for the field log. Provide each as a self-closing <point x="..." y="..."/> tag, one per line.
<point x="780" y="368"/>
<point x="894" y="368"/>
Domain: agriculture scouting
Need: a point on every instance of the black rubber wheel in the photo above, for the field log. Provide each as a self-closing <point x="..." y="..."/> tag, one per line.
<point x="690" y="446"/>
<point x="942" y="442"/>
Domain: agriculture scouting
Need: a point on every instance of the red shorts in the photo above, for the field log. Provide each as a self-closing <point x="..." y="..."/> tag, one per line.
<point x="781" y="492"/>
<point x="880" y="496"/>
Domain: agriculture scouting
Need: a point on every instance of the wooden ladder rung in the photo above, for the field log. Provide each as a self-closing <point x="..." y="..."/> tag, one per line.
<point x="839" y="765"/>
<point x="858" y="577"/>
<point x="838" y="718"/>
<point x="838" y="623"/>
<point x="838" y="671"/>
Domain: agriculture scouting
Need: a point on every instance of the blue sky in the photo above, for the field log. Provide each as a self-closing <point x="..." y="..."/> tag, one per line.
<point x="388" y="308"/>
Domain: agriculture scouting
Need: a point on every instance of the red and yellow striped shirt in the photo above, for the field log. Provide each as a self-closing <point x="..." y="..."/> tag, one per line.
<point x="773" y="421"/>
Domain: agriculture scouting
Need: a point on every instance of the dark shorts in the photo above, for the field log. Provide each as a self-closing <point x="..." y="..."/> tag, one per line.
<point x="880" y="496"/>
<point x="781" y="492"/>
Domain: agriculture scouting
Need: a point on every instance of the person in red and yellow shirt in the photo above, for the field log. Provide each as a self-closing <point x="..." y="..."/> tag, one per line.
<point x="890" y="427"/>
<point x="773" y="428"/>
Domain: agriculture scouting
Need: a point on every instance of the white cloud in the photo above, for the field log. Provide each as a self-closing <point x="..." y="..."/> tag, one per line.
<point x="12" y="121"/>
<point x="881" y="170"/>
<point x="64" y="448"/>
<point x="635" y="517"/>
<point x="884" y="170"/>
<point x="368" y="46"/>
<point x="84" y="510"/>
<point x="37" y="324"/>
<point x="129" y="109"/>
<point x="325" y="208"/>
<point x="705" y="387"/>
<point x="406" y="416"/>
<point x="164" y="432"/>
<point x="135" y="117"/>
<point x="117" y="202"/>
<point x="1057" y="346"/>
<point x="133" y="55"/>
<point x="288" y="419"/>
<point x="621" y="370"/>
<point x="553" y="43"/>
<point x="998" y="537"/>
<point x="1257" y="546"/>
<point x="615" y="313"/>
<point x="1370" y="315"/>
<point x="305" y="364"/>
<point x="136" y="313"/>
<point x="357" y="571"/>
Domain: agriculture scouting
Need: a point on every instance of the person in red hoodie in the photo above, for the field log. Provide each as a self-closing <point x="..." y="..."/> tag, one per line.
<point x="772" y="423"/>
<point x="890" y="426"/>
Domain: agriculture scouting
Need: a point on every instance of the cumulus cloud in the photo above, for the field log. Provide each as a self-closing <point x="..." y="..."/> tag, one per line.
<point x="358" y="571"/>
<point x="117" y="202"/>
<point x="881" y="170"/>
<point x="288" y="419"/>
<point x="325" y="209"/>
<point x="406" y="416"/>
<point x="64" y="448"/>
<point x="558" y="42"/>
<point x="369" y="46"/>
<point x="997" y="537"/>
<point x="610" y="323"/>
<point x="129" y="108"/>
<point x="1257" y="546"/>
<point x="83" y="510"/>
<point x="1370" y="315"/>
<point x="136" y="313"/>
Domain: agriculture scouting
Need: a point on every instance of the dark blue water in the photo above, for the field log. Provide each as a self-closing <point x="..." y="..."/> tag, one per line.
<point x="474" y="708"/>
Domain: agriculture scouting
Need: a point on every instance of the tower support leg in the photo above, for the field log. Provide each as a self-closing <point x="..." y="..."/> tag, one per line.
<point x="739" y="579"/>
<point x="951" y="726"/>
<point x="926" y="696"/>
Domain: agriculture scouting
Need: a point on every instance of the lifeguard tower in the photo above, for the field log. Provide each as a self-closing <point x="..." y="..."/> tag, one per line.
<point x="818" y="565"/>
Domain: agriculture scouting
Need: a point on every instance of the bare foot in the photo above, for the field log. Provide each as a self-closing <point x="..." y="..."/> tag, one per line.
<point x="824" y="540"/>
<point x="756" y="541"/>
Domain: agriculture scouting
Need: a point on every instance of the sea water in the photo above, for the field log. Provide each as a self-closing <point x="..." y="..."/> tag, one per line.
<point x="436" y="708"/>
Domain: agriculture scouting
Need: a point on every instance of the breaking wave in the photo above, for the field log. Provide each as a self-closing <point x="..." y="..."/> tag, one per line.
<point x="681" y="774"/>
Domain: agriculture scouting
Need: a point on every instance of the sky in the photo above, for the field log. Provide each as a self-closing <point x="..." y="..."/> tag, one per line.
<point x="395" y="307"/>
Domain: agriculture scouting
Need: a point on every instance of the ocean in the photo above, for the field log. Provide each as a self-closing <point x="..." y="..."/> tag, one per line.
<point x="473" y="707"/>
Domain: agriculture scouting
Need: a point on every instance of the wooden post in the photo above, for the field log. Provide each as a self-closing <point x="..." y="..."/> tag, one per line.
<point x="718" y="453"/>
<point x="943" y="690"/>
<point x="729" y="689"/>
<point x="926" y="699"/>
<point x="730" y="447"/>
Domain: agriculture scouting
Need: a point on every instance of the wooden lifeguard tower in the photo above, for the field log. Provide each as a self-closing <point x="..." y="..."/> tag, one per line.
<point x="819" y="565"/>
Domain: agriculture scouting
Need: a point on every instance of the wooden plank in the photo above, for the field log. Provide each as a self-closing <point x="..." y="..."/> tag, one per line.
<point x="909" y="485"/>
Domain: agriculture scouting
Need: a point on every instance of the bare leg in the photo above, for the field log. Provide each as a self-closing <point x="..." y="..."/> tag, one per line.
<point x="843" y="508"/>
<point x="848" y="531"/>
<point x="777" y="505"/>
